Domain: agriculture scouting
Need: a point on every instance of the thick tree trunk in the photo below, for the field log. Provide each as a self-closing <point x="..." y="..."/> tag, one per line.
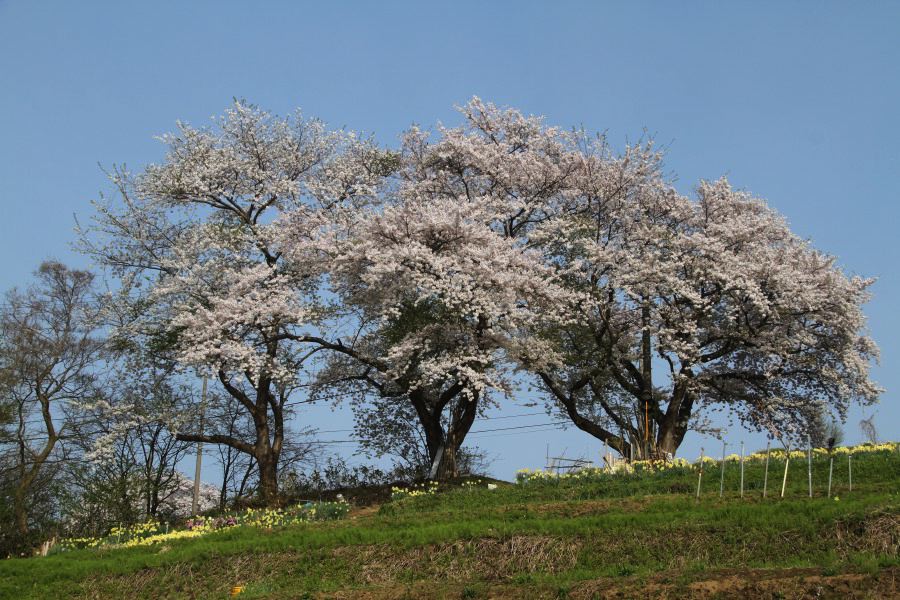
<point x="461" y="420"/>
<point x="673" y="425"/>
<point x="27" y="479"/>
<point x="446" y="466"/>
<point x="443" y="446"/>
<point x="20" y="513"/>
<point x="267" y="456"/>
<point x="268" y="479"/>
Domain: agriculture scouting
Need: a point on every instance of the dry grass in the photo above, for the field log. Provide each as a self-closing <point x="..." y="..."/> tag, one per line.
<point x="383" y="571"/>
<point x="484" y="559"/>
<point x="748" y="584"/>
<point x="878" y="533"/>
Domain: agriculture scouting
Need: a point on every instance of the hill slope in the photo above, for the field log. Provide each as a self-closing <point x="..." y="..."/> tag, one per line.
<point x="599" y="535"/>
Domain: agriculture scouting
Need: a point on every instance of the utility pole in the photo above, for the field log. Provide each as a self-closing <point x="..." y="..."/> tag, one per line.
<point x="195" y="505"/>
<point x="646" y="373"/>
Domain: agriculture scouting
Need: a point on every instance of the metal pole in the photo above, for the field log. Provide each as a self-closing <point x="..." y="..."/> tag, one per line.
<point x="850" y="470"/>
<point x="722" y="477"/>
<point x="766" y="475"/>
<point x="809" y="463"/>
<point x="830" y="469"/>
<point x="742" y="469"/>
<point x="700" y="476"/>
<point x="606" y="461"/>
<point x="787" y="460"/>
<point x="195" y="505"/>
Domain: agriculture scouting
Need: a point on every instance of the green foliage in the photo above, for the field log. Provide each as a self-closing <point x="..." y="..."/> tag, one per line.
<point x="412" y="317"/>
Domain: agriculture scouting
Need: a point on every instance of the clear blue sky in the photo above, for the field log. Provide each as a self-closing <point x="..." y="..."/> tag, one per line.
<point x="797" y="102"/>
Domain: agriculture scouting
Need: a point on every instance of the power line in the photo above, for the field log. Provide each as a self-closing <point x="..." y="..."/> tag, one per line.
<point x="498" y="435"/>
<point x="486" y="418"/>
<point x="82" y="420"/>
<point x="554" y="424"/>
<point x="551" y="425"/>
<point x="537" y="428"/>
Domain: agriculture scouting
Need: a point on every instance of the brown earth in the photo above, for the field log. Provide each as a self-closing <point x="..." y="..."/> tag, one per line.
<point x="749" y="584"/>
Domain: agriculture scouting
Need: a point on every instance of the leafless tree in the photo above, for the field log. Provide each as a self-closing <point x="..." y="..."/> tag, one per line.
<point x="867" y="427"/>
<point x="49" y="346"/>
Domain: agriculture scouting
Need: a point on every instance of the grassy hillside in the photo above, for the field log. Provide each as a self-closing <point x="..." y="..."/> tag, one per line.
<point x="598" y="535"/>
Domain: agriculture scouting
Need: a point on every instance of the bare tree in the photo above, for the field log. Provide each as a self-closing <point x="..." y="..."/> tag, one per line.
<point x="867" y="427"/>
<point x="49" y="346"/>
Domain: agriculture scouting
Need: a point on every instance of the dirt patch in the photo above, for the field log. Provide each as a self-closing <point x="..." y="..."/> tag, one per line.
<point x="749" y="584"/>
<point x="363" y="512"/>
<point x="766" y="584"/>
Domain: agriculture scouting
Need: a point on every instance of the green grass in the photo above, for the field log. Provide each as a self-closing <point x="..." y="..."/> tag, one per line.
<point x="552" y="538"/>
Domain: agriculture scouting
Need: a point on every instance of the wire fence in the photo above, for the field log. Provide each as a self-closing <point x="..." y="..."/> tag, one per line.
<point x="822" y="471"/>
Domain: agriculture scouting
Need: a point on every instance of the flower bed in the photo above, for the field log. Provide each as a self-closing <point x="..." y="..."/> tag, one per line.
<point x="154" y="532"/>
<point x="524" y="476"/>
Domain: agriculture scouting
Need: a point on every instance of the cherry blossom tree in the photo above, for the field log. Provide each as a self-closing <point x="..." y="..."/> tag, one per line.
<point x="671" y="305"/>
<point x="718" y="294"/>
<point x="443" y="282"/>
<point x="436" y="277"/>
<point x="429" y="275"/>
<point x="203" y="277"/>
<point x="439" y="299"/>
<point x="127" y="437"/>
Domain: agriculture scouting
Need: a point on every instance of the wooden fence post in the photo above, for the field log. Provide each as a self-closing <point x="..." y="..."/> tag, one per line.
<point x="766" y="473"/>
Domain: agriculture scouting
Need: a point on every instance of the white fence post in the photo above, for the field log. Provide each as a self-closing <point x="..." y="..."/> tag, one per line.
<point x="700" y="476"/>
<point x="787" y="460"/>
<point x="830" y="469"/>
<point x="850" y="470"/>
<point x="809" y="463"/>
<point x="722" y="476"/>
